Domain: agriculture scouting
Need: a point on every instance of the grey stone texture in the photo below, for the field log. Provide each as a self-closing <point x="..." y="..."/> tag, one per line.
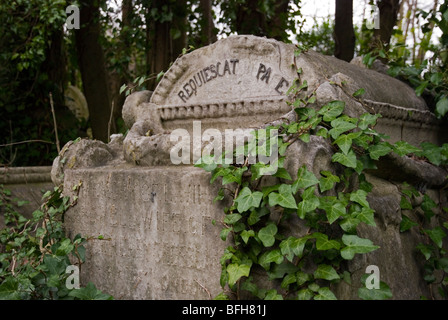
<point x="155" y="217"/>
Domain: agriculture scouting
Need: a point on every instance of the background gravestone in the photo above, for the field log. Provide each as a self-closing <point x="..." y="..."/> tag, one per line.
<point x="156" y="219"/>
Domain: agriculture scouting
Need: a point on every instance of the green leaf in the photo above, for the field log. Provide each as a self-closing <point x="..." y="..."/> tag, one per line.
<point x="331" y="110"/>
<point x="354" y="245"/>
<point x="332" y="207"/>
<point x="322" y="242"/>
<point x="273" y="295"/>
<point x="282" y="173"/>
<point x="344" y="142"/>
<point x="406" y="223"/>
<point x="426" y="250"/>
<point x="403" y="148"/>
<point x="267" y="234"/>
<point x="9" y="289"/>
<point x="436" y="235"/>
<point x="379" y="150"/>
<point x="305" y="294"/>
<point x="340" y="126"/>
<point x="431" y="152"/>
<point x="360" y="196"/>
<point x="304" y="180"/>
<point x="65" y="248"/>
<point x="359" y="92"/>
<point x="90" y="292"/>
<point x="382" y="293"/>
<point x="427" y="205"/>
<point x="270" y="256"/>
<point x="405" y="204"/>
<point x="232" y="218"/>
<point x="283" y="198"/>
<point x="325" y="293"/>
<point x="349" y="160"/>
<point x="246" y="234"/>
<point x="367" y="119"/>
<point x="236" y="271"/>
<point x="309" y="202"/>
<point x="327" y="181"/>
<point x="326" y="272"/>
<point x="442" y="107"/>
<point x="293" y="247"/>
<point x="207" y="163"/>
<point x="366" y="215"/>
<point x="246" y="199"/>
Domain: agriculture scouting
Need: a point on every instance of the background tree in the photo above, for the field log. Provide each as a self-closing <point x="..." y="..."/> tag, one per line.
<point x="344" y="34"/>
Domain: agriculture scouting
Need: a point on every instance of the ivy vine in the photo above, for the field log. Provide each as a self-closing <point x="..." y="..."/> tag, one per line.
<point x="332" y="206"/>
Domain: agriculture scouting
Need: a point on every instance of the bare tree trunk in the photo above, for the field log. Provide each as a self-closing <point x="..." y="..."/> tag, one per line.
<point x="163" y="47"/>
<point x="208" y="35"/>
<point x="388" y="19"/>
<point x="93" y="69"/>
<point x="344" y="34"/>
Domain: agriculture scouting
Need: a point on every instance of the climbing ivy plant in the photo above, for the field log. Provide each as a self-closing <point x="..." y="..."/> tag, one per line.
<point x="331" y="204"/>
<point x="35" y="252"/>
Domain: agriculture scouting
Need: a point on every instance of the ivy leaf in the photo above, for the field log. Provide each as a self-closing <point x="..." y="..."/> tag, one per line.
<point x="425" y="250"/>
<point x="293" y="246"/>
<point x="304" y="180"/>
<point x="282" y="173"/>
<point x="327" y="181"/>
<point x="326" y="272"/>
<point x="305" y="294"/>
<point x="427" y="205"/>
<point x="90" y="292"/>
<point x="382" y="293"/>
<point x="331" y="110"/>
<point x="232" y="218"/>
<point x="325" y="293"/>
<point x="431" y="152"/>
<point x="359" y="92"/>
<point x="367" y="119"/>
<point x="309" y="202"/>
<point x="360" y="196"/>
<point x="340" y="126"/>
<point x="333" y="208"/>
<point x="270" y="256"/>
<point x="273" y="295"/>
<point x="344" y="142"/>
<point x="283" y="197"/>
<point x="65" y="248"/>
<point x="442" y="107"/>
<point x="9" y="289"/>
<point x="436" y="235"/>
<point x="405" y="204"/>
<point x="354" y="245"/>
<point x="267" y="234"/>
<point x="246" y="199"/>
<point x="406" y="223"/>
<point x="379" y="150"/>
<point x="348" y="160"/>
<point x="403" y="148"/>
<point x="246" y="234"/>
<point x="236" y="271"/>
<point x="322" y="242"/>
<point x="366" y="215"/>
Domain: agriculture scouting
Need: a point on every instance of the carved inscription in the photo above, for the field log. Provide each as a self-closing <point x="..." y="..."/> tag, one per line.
<point x="264" y="74"/>
<point x="205" y="75"/>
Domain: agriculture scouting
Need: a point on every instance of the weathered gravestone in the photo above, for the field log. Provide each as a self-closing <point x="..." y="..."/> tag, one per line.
<point x="155" y="211"/>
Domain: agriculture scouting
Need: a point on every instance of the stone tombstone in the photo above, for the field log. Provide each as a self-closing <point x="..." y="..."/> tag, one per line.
<point x="158" y="223"/>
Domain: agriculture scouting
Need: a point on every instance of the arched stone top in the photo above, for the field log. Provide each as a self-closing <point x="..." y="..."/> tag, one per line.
<point x="235" y="68"/>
